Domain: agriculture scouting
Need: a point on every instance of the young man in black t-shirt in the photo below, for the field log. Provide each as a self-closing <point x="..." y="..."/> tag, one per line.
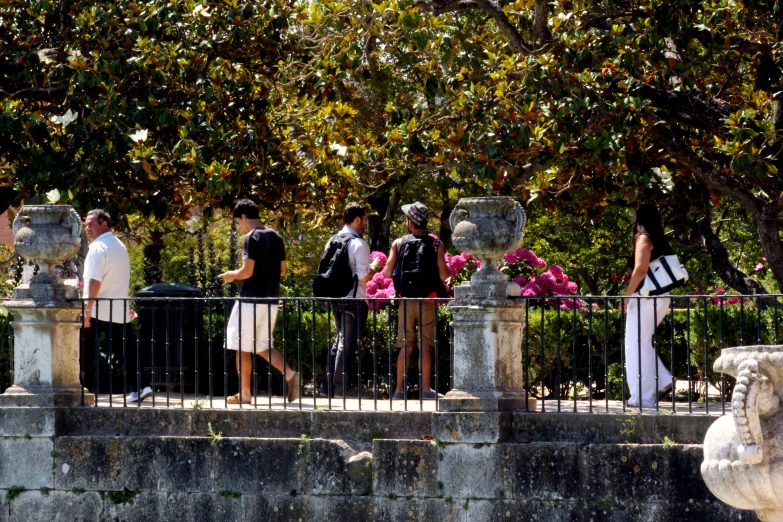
<point x="252" y="322"/>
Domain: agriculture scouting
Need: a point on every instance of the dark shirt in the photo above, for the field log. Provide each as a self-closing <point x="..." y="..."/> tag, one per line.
<point x="265" y="247"/>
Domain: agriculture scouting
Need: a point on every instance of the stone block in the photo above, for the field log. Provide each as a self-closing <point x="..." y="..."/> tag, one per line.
<point x="93" y="464"/>
<point x="252" y="465"/>
<point x="285" y="508"/>
<point x="323" y="468"/>
<point x="547" y="471"/>
<point x="147" y="506"/>
<point x="472" y="427"/>
<point x="4" y="507"/>
<point x="197" y="507"/>
<point x="56" y="506"/>
<point x="408" y="510"/>
<point x="477" y="470"/>
<point x="20" y="422"/>
<point x="26" y="463"/>
<point x="404" y="468"/>
<point x="131" y="421"/>
<point x="175" y="464"/>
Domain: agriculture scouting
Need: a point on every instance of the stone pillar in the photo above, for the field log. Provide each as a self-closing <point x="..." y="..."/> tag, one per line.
<point x="488" y="328"/>
<point x="46" y="322"/>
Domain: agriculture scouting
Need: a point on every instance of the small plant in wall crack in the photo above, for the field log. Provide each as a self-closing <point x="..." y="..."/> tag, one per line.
<point x="214" y="437"/>
<point x="13" y="492"/>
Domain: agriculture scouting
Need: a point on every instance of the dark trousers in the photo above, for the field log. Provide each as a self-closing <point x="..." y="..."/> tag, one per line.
<point x="105" y="356"/>
<point x="349" y="319"/>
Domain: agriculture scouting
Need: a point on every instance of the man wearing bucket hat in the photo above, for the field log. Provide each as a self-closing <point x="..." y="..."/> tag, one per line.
<point x="417" y="264"/>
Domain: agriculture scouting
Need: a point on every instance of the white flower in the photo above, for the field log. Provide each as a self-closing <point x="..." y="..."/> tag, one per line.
<point x="43" y="55"/>
<point x="201" y="10"/>
<point x="338" y="149"/>
<point x="66" y="119"/>
<point x="139" y="136"/>
<point x="53" y="196"/>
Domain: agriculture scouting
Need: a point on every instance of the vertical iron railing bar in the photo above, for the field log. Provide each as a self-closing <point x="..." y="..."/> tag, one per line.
<point x="97" y="345"/>
<point x="639" y="347"/>
<point x="181" y="354"/>
<point x="543" y="357"/>
<point x="111" y="350"/>
<point x="284" y="340"/>
<point x="706" y="358"/>
<point x="312" y="351"/>
<point x="374" y="355"/>
<point x="209" y="355"/>
<point x="623" y="347"/>
<point x="269" y="356"/>
<point x="125" y="356"/>
<point x="606" y="354"/>
<point x="358" y="354"/>
<point x="197" y="330"/>
<point x="152" y="349"/>
<point x="758" y="320"/>
<point x="82" y="362"/>
<point x="253" y="363"/>
<point x="688" y="352"/>
<point x="590" y="355"/>
<point x="527" y="355"/>
<point x="558" y="383"/>
<point x="720" y="346"/>
<point x="573" y="349"/>
<point x="742" y="321"/>
<point x="390" y="343"/>
<point x="329" y="376"/>
<point x="299" y="346"/>
<point x="138" y="365"/>
<point x="671" y="357"/>
<point x="341" y="339"/>
<point x="168" y="350"/>
<point x="775" y="312"/>
<point x="655" y="349"/>
<point x="225" y="353"/>
<point x="405" y="352"/>
<point x="238" y="303"/>
<point x="435" y="359"/>
<point x="421" y="353"/>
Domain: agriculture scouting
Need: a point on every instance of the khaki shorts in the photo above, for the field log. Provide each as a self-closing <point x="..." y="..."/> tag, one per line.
<point x="255" y="334"/>
<point x="408" y="319"/>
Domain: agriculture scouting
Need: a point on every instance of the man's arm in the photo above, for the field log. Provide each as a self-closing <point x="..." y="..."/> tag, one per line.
<point x="244" y="272"/>
<point x="92" y="292"/>
<point x="391" y="261"/>
<point x="443" y="268"/>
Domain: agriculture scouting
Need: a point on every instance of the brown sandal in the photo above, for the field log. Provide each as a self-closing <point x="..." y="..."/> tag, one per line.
<point x="234" y="399"/>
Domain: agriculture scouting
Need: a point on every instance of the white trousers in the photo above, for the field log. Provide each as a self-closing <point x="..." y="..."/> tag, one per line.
<point x="640" y="325"/>
<point x="255" y="333"/>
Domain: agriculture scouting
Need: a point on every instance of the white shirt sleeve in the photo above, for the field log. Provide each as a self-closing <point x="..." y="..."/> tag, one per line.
<point x="361" y="258"/>
<point x="95" y="264"/>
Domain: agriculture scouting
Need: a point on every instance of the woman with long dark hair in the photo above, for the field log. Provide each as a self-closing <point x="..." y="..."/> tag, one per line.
<point x="648" y="377"/>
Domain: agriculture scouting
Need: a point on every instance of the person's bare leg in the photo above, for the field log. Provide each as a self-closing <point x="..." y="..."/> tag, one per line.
<point x="245" y="373"/>
<point x="278" y="363"/>
<point x="402" y="367"/>
<point x="425" y="365"/>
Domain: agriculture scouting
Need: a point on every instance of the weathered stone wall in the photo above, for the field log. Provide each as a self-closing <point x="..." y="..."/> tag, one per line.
<point x="111" y="466"/>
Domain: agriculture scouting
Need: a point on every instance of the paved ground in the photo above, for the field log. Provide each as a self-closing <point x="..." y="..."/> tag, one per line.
<point x="368" y="404"/>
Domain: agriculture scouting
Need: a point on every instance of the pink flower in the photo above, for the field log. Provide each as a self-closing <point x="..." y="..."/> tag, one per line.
<point x="520" y="280"/>
<point x="561" y="289"/>
<point x="372" y="288"/>
<point x="733" y="300"/>
<point x="531" y="289"/>
<point x="556" y="271"/>
<point x="133" y="314"/>
<point x="380" y="256"/>
<point x="758" y="267"/>
<point x="572" y="287"/>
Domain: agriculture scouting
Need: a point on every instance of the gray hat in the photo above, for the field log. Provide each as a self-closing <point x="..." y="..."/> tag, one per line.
<point x="417" y="212"/>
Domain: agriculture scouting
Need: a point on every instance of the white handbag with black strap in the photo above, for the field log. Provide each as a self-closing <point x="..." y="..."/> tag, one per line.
<point x="664" y="274"/>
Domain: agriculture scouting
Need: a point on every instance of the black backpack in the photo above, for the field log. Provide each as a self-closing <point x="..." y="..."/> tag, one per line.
<point x="335" y="277"/>
<point x="416" y="272"/>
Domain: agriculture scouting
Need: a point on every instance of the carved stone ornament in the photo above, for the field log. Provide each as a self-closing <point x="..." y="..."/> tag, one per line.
<point x="47" y="235"/>
<point x="743" y="452"/>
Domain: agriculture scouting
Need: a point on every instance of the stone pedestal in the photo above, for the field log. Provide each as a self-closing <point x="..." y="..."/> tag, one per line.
<point x="46" y="348"/>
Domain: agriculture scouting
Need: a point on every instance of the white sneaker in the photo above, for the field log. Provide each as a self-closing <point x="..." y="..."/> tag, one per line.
<point x="132" y="397"/>
<point x="146" y="392"/>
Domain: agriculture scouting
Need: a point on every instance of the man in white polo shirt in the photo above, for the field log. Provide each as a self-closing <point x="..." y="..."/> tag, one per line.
<point x="107" y="275"/>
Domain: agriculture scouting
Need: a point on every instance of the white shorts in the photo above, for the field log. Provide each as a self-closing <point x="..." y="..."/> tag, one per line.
<point x="259" y="330"/>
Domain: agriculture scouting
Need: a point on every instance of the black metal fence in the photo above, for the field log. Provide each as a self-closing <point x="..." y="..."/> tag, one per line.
<point x="579" y="353"/>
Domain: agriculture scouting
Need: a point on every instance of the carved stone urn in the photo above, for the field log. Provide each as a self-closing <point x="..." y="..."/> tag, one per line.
<point x="46" y="312"/>
<point x="743" y="452"/>
<point x="487" y="228"/>
<point x="488" y="326"/>
<point x="47" y="235"/>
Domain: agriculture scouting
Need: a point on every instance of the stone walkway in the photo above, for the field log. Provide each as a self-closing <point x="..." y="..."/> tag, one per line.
<point x="611" y="407"/>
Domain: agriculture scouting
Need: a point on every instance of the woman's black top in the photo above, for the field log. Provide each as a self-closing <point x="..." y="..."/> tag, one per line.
<point x="660" y="248"/>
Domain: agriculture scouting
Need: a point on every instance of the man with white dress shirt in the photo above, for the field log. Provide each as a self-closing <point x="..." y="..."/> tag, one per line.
<point x="350" y="317"/>
<point x="107" y="275"/>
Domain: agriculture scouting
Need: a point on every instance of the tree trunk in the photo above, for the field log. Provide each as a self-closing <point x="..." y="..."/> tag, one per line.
<point x="444" y="231"/>
<point x="769" y="235"/>
<point x="379" y="225"/>
<point x="151" y="267"/>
